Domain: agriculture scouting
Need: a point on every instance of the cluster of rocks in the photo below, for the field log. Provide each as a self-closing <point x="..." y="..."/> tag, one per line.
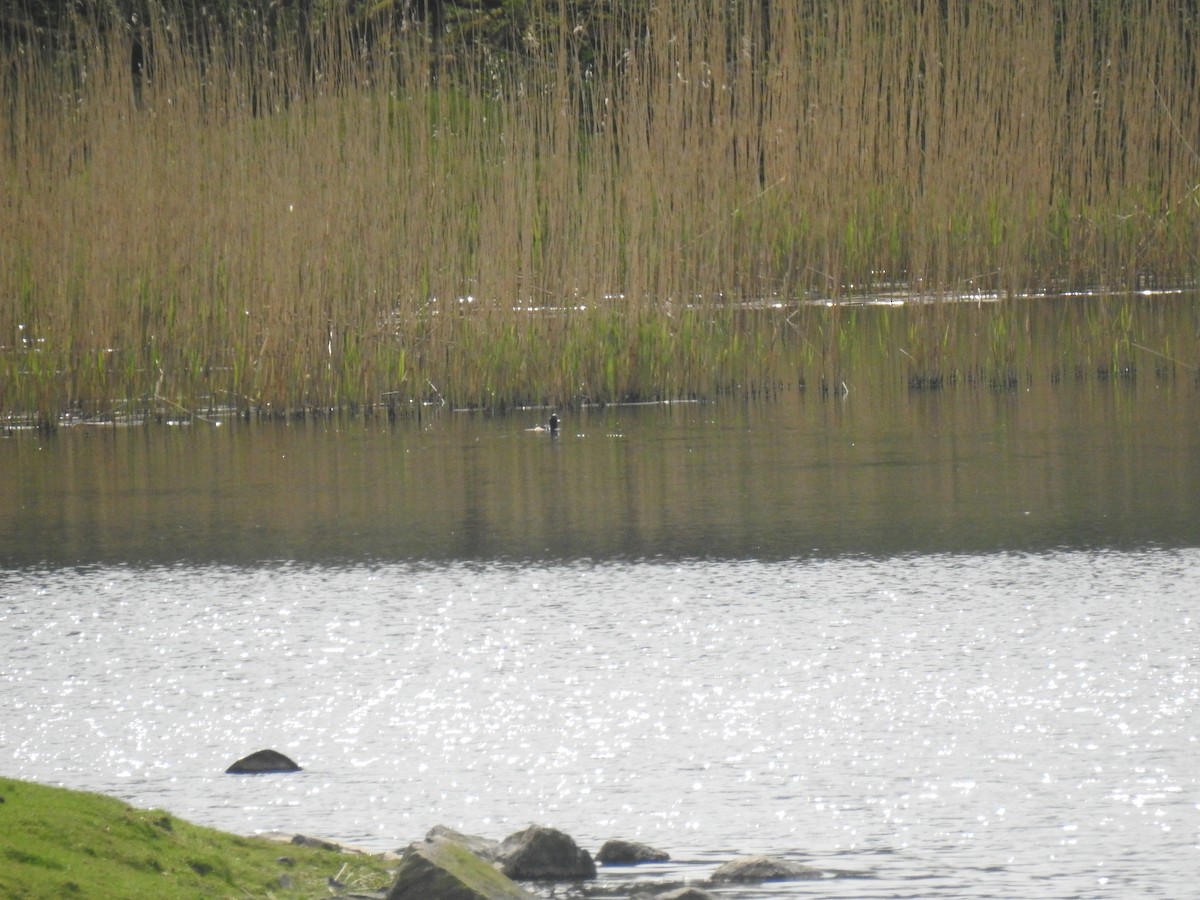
<point x="448" y="865"/>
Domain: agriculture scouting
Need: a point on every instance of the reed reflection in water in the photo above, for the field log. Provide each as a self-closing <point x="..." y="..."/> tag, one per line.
<point x="1078" y="464"/>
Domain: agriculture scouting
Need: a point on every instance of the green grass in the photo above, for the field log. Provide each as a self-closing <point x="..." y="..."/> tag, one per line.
<point x="61" y="843"/>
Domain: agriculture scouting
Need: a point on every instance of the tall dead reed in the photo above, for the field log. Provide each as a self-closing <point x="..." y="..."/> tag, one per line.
<point x="630" y="207"/>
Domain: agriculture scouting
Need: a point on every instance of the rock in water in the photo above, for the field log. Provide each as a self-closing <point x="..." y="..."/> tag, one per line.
<point x="446" y="870"/>
<point x="618" y="852"/>
<point x="544" y="854"/>
<point x="262" y="763"/>
<point x="764" y="868"/>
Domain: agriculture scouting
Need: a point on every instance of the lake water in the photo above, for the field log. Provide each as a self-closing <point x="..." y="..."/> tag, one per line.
<point x="948" y="639"/>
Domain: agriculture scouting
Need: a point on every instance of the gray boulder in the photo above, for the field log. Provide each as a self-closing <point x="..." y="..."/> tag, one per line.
<point x="446" y="870"/>
<point x="764" y="868"/>
<point x="618" y="852"/>
<point x="485" y="848"/>
<point x="544" y="854"/>
<point x="684" y="893"/>
<point x="261" y="763"/>
<point x="304" y="840"/>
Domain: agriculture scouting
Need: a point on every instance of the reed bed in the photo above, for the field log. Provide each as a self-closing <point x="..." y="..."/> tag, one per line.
<point x="648" y="204"/>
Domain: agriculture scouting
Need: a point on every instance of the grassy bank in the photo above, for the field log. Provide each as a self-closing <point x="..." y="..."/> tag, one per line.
<point x="60" y="843"/>
<point x="628" y="208"/>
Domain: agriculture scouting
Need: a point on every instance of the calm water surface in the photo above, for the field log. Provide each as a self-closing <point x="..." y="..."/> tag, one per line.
<point x="948" y="640"/>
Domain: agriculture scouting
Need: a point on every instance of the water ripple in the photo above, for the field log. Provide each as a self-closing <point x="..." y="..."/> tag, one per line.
<point x="958" y="726"/>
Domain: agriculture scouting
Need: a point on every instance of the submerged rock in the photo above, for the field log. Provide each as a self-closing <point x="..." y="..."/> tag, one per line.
<point x="764" y="868"/>
<point x="262" y="762"/>
<point x="619" y="852"/>
<point x="446" y="870"/>
<point x="544" y="854"/>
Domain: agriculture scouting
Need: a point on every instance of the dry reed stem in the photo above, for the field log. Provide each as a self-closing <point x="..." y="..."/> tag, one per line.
<point x="278" y="229"/>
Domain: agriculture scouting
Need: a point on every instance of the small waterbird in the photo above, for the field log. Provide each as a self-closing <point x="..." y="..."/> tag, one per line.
<point x="551" y="426"/>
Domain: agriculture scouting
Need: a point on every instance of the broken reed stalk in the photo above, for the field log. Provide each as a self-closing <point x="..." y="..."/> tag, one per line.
<point x="303" y="221"/>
